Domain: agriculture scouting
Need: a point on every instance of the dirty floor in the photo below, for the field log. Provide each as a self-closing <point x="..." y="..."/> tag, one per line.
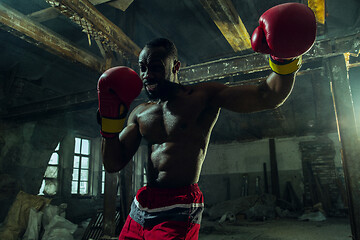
<point x="280" y="229"/>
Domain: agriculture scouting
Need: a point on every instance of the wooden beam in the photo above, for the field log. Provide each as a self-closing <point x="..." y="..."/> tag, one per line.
<point x="318" y="7"/>
<point x="22" y="26"/>
<point x="51" y="13"/>
<point x="197" y="73"/>
<point x="102" y="27"/>
<point x="224" y="15"/>
<point x="82" y="100"/>
<point x="256" y="62"/>
<point x="345" y="117"/>
<point x="61" y="104"/>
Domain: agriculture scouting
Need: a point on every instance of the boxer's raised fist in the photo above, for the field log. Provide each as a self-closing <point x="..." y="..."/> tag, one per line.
<point x="117" y="88"/>
<point x="285" y="31"/>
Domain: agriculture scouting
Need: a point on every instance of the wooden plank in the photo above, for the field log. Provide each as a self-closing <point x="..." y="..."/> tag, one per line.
<point x="22" y="26"/>
<point x="318" y="7"/>
<point x="97" y="2"/>
<point x="224" y="15"/>
<point x="345" y="117"/>
<point x="87" y="11"/>
<point x="51" y="13"/>
<point x="256" y="62"/>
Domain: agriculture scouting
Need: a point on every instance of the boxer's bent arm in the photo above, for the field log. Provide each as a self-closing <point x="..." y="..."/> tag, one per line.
<point x="252" y="98"/>
<point x="117" y="152"/>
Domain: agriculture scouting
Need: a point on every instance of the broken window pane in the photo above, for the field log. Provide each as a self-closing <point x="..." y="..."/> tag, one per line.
<point x="51" y="172"/>
<point x="74" y="187"/>
<point x="57" y="147"/>
<point x="41" y="191"/>
<point x="77" y="145"/>
<point x="54" y="159"/>
<point x="84" y="162"/>
<point x="50" y="187"/>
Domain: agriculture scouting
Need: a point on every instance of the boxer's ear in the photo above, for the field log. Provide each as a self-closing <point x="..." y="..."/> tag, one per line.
<point x="176" y="67"/>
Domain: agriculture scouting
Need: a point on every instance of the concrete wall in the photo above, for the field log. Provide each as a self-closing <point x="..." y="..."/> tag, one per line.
<point x="225" y="164"/>
<point x="25" y="150"/>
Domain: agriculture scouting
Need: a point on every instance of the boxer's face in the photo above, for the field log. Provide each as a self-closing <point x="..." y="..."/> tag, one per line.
<point x="155" y="71"/>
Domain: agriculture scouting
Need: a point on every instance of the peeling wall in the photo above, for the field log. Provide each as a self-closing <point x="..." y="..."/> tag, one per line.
<point x="25" y="151"/>
<point x="225" y="164"/>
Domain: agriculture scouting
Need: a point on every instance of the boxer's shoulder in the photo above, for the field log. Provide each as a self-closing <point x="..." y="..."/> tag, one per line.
<point x="137" y="110"/>
<point x="205" y="87"/>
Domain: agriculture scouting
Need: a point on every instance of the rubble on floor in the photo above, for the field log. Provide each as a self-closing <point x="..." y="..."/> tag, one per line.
<point x="32" y="217"/>
<point x="263" y="217"/>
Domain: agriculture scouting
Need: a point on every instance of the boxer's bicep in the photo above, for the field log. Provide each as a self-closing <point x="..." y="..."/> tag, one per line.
<point x="242" y="99"/>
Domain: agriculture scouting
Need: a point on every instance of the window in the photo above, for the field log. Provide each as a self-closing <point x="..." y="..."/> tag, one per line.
<point x="103" y="181"/>
<point x="81" y="168"/>
<point x="144" y="177"/>
<point x="50" y="181"/>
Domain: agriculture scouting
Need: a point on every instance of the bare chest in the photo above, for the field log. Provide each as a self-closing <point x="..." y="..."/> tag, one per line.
<point x="170" y="120"/>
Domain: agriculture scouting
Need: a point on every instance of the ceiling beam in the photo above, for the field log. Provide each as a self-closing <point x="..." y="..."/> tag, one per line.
<point x="22" y="26"/>
<point x="318" y="7"/>
<point x="226" y="18"/>
<point x="82" y="100"/>
<point x="51" y="13"/>
<point x="259" y="62"/>
<point x="98" y="26"/>
<point x="56" y="105"/>
<point x="198" y="73"/>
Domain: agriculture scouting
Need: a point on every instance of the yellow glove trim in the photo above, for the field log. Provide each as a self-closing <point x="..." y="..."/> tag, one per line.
<point x="287" y="68"/>
<point x="109" y="125"/>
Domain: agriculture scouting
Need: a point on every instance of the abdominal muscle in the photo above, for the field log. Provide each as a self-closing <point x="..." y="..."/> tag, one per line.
<point x="174" y="164"/>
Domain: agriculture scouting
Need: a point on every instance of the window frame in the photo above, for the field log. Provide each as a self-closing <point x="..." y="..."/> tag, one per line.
<point x="79" y="168"/>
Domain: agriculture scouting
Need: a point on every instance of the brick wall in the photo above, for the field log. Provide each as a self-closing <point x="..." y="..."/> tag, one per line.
<point x="322" y="183"/>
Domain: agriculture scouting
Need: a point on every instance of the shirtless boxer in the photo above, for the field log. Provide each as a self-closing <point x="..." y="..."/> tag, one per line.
<point x="178" y="120"/>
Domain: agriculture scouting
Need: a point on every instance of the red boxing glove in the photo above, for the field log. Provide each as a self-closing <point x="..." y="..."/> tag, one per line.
<point x="285" y="31"/>
<point x="117" y="88"/>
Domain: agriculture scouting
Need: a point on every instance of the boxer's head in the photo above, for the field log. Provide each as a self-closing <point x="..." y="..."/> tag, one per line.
<point x="158" y="67"/>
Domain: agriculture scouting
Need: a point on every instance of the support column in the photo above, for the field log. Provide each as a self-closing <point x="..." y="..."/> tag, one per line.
<point x="335" y="70"/>
<point x="275" y="187"/>
<point x="110" y="203"/>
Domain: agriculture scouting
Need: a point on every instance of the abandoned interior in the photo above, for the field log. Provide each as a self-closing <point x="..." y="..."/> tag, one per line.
<point x="288" y="173"/>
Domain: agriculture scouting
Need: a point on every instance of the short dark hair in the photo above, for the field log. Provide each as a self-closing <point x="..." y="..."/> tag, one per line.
<point x="169" y="46"/>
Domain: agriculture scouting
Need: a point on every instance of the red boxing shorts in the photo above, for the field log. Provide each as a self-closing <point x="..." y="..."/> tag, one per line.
<point x="158" y="213"/>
